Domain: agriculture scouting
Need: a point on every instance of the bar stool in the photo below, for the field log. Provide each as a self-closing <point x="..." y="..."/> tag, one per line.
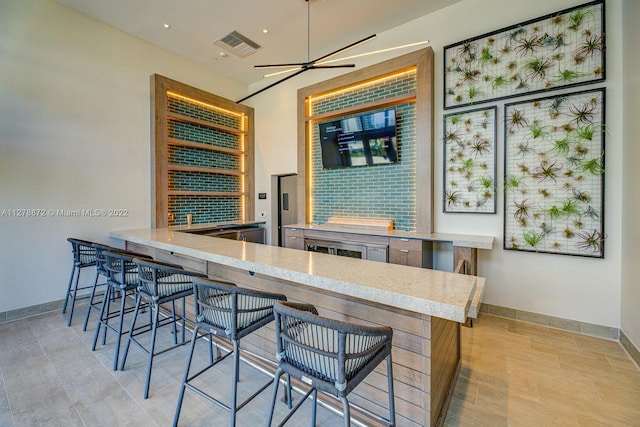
<point x="84" y="255"/>
<point x="101" y="270"/>
<point x="229" y="312"/>
<point x="122" y="278"/>
<point x="329" y="355"/>
<point x="159" y="283"/>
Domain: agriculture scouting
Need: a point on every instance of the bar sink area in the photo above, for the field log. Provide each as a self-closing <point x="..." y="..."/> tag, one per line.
<point x="253" y="232"/>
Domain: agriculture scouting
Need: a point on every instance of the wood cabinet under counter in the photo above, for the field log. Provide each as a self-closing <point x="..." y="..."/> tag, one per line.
<point x="393" y="246"/>
<point x="412" y="252"/>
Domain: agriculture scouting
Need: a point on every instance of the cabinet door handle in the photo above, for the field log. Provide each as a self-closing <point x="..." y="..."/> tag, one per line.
<point x="404" y="240"/>
<point x="406" y="251"/>
<point x="293" y="237"/>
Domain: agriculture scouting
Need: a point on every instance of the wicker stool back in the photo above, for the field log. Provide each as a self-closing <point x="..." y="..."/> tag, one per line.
<point x="328" y="355"/>
<point x="84" y="255"/>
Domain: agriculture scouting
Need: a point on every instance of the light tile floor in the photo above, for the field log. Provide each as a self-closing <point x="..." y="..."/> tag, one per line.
<point x="513" y="374"/>
<point x="519" y="374"/>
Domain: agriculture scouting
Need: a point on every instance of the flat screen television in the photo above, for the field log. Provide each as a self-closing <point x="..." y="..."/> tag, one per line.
<point x="362" y="140"/>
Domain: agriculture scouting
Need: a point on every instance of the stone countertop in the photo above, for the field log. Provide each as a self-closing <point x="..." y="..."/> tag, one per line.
<point x="435" y="293"/>
<point x="462" y="240"/>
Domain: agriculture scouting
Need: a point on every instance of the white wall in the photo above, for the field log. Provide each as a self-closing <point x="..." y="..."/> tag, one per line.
<point x="630" y="323"/>
<point x="575" y="288"/>
<point x="74" y="133"/>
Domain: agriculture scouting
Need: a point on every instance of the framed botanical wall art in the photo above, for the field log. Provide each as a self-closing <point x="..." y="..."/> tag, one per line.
<point x="562" y="49"/>
<point x="470" y="161"/>
<point x="554" y="174"/>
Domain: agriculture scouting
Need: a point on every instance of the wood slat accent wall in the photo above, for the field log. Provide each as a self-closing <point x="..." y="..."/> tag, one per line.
<point x="426" y="350"/>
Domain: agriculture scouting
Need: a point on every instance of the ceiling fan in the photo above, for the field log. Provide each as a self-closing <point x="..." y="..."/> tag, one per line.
<point x="321" y="62"/>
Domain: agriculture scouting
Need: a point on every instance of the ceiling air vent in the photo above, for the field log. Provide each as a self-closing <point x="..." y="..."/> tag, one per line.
<point x="237" y="44"/>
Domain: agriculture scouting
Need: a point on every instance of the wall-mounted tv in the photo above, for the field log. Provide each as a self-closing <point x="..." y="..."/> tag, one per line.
<point x="362" y="140"/>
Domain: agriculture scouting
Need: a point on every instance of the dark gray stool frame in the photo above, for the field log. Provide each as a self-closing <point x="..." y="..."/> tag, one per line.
<point x="122" y="278"/>
<point x="159" y="283"/>
<point x="84" y="255"/>
<point x="333" y="356"/>
<point x="229" y="312"/>
<point x="101" y="270"/>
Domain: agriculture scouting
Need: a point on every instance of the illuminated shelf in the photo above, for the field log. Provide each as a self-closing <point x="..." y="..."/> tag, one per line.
<point x="192" y="120"/>
<point x="199" y="145"/>
<point x="202" y="169"/>
<point x="206" y="193"/>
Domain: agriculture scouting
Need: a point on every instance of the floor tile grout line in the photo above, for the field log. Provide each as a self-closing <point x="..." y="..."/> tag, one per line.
<point x="6" y="393"/>
<point x="57" y="375"/>
<point x="114" y="374"/>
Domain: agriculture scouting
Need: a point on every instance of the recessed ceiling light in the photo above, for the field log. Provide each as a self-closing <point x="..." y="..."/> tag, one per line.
<point x="265" y="31"/>
<point x="223" y="54"/>
<point x="165" y="25"/>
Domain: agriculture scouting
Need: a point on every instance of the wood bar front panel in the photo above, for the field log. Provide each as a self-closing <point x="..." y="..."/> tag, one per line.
<point x="426" y="350"/>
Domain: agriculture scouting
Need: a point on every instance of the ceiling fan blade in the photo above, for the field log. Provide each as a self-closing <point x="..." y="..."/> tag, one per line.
<point x="374" y="52"/>
<point x="332" y="66"/>
<point x="277" y="73"/>
<point x="302" y="70"/>
<point x="293" y="64"/>
<point x="352" y="45"/>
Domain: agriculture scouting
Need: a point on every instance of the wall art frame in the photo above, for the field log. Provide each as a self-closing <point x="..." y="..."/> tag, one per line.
<point x="554" y="171"/>
<point x="558" y="50"/>
<point x="469" y="158"/>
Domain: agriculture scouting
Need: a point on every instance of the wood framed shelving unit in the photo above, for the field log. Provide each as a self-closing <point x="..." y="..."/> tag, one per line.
<point x="202" y="156"/>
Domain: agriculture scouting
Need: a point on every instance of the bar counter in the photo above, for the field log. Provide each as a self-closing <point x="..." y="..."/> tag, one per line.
<point x="424" y="307"/>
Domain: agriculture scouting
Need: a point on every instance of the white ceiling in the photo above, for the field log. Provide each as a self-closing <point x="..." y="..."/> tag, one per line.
<point x="197" y="24"/>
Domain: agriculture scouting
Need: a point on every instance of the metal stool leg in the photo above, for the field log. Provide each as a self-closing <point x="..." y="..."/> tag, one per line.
<point x="185" y="377"/>
<point x="66" y="299"/>
<point x="274" y="395"/>
<point x="236" y="380"/>
<point x="183" y="321"/>
<point x="173" y="322"/>
<point x="74" y="291"/>
<point x="119" y="331"/>
<point x="152" y="347"/>
<point x="131" y="329"/>
<point x="315" y="407"/>
<point x="392" y="408"/>
<point x="112" y="298"/>
<point x="105" y="303"/>
<point x="346" y="411"/>
<point x="91" y="303"/>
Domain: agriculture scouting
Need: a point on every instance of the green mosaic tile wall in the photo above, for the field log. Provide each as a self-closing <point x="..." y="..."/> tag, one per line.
<point x="194" y="157"/>
<point x="378" y="192"/>
<point x="196" y="181"/>
<point x="205" y="209"/>
<point x="200" y="111"/>
<point x="401" y="84"/>
<point x="203" y="135"/>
